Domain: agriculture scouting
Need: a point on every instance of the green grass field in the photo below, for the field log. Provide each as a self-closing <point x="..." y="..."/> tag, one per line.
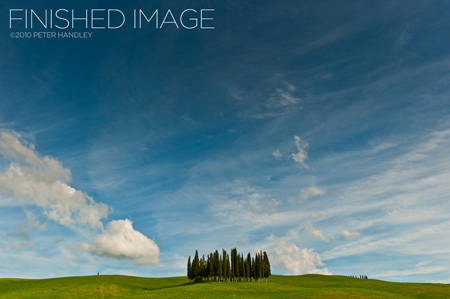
<point x="305" y="286"/>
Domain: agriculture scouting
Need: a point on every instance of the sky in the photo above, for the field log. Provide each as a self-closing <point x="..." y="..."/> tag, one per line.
<point x="316" y="131"/>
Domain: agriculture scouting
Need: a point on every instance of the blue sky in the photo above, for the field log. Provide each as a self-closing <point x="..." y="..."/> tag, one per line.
<point x="318" y="132"/>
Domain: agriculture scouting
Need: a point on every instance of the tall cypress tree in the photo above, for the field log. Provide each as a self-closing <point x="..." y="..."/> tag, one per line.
<point x="203" y="267"/>
<point x="195" y="266"/>
<point x="241" y="266"/>
<point x="229" y="268"/>
<point x="236" y="261"/>
<point x="233" y="264"/>
<point x="244" y="271"/>
<point x="189" y="270"/>
<point x="220" y="272"/>
<point x="260" y="266"/>
<point x="211" y="266"/>
<point x="224" y="262"/>
<point x="253" y="269"/>
<point x="238" y="267"/>
<point x="266" y="266"/>
<point x="249" y="267"/>
<point x="257" y="266"/>
<point x="208" y="266"/>
<point x="216" y="264"/>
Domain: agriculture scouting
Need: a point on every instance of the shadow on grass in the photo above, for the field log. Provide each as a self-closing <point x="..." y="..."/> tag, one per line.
<point x="168" y="287"/>
<point x="178" y="285"/>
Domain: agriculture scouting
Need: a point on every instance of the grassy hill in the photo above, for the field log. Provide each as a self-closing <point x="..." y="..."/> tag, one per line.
<point x="305" y="286"/>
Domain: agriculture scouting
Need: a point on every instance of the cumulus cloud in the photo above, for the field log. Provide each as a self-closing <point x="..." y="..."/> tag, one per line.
<point x="292" y="260"/>
<point x="277" y="154"/>
<point x="43" y="182"/>
<point x="311" y="192"/>
<point x="121" y="241"/>
<point x="349" y="235"/>
<point x="311" y="230"/>
<point x="12" y="147"/>
<point x="302" y="154"/>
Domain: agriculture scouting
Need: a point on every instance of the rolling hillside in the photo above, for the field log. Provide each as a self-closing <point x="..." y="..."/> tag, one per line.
<point x="305" y="286"/>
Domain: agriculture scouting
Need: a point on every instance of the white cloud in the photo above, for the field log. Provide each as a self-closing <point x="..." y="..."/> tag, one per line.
<point x="382" y="147"/>
<point x="291" y="260"/>
<point x="283" y="97"/>
<point x="302" y="154"/>
<point x="429" y="240"/>
<point x="349" y="235"/>
<point x="420" y="268"/>
<point x="412" y="181"/>
<point x="315" y="215"/>
<point x="16" y="245"/>
<point x="311" y="192"/>
<point x="43" y="182"/>
<point x="311" y="230"/>
<point x="277" y="154"/>
<point x="12" y="147"/>
<point x="121" y="241"/>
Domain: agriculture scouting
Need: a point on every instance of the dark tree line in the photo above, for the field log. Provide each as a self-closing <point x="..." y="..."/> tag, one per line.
<point x="226" y="267"/>
<point x="360" y="276"/>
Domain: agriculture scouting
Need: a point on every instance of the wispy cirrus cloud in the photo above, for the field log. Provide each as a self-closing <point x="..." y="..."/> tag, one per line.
<point x="312" y="191"/>
<point x="281" y="99"/>
<point x="302" y="152"/>
<point x="420" y="268"/>
<point x="411" y="242"/>
<point x="349" y="235"/>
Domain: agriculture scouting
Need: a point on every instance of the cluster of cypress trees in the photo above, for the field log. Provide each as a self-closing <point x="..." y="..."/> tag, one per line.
<point x="229" y="267"/>
<point x="360" y="276"/>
